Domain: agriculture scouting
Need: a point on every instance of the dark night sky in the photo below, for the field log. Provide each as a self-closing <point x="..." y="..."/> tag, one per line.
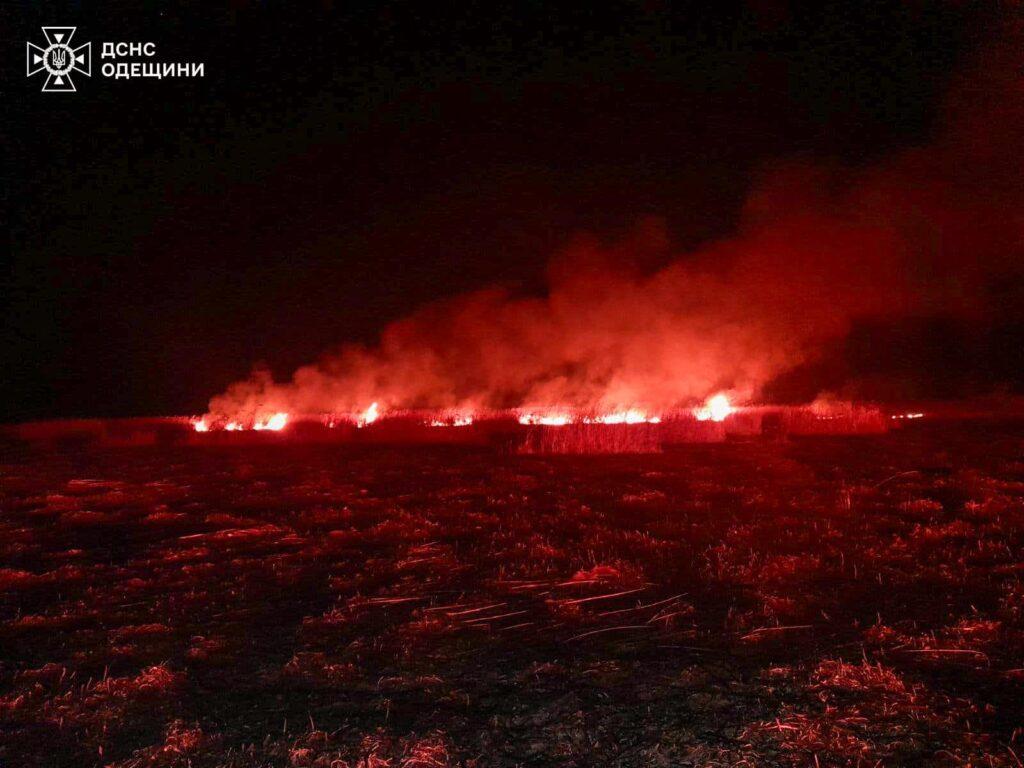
<point x="345" y="162"/>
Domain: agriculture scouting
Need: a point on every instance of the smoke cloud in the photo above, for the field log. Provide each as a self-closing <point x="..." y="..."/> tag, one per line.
<point x="820" y="247"/>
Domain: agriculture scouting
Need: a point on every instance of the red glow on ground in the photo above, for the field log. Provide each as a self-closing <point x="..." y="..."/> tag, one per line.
<point x="473" y="571"/>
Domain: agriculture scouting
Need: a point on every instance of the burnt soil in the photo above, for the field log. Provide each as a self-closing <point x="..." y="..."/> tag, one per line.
<point x="830" y="601"/>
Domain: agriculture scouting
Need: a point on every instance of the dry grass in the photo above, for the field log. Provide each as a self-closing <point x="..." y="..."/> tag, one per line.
<point x="837" y="602"/>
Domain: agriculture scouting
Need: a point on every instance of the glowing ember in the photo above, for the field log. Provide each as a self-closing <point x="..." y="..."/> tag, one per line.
<point x="716" y="408"/>
<point x="368" y="416"/>
<point x="275" y="423"/>
<point x="632" y="416"/>
<point x="545" y="419"/>
<point x="908" y="416"/>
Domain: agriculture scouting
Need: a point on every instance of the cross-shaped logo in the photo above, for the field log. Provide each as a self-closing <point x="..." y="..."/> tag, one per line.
<point x="59" y="59"/>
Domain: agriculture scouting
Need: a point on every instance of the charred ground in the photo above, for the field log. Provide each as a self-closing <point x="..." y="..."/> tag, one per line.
<point x="842" y="600"/>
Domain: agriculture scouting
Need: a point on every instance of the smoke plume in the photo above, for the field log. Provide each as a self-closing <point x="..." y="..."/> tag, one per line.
<point x="929" y="231"/>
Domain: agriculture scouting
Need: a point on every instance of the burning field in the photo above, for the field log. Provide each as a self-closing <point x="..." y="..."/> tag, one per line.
<point x="822" y="600"/>
<point x="636" y="385"/>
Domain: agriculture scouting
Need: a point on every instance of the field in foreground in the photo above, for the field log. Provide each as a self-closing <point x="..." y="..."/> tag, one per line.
<point x="848" y="601"/>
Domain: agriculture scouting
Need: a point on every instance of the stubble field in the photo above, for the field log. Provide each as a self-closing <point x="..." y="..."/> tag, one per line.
<point x="829" y="601"/>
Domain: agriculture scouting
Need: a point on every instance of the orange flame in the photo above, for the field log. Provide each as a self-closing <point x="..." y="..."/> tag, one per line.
<point x="717" y="408"/>
<point x="275" y="423"/>
<point x="458" y="420"/>
<point x="631" y="416"/>
<point x="544" y="419"/>
<point x="368" y="416"/>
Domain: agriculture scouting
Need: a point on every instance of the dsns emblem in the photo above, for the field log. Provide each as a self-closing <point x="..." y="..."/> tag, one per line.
<point x="58" y="59"/>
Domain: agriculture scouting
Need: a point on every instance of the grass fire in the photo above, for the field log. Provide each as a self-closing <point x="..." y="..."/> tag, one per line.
<point x="491" y="385"/>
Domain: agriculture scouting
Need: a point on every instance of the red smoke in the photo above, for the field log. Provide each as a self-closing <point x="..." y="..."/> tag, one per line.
<point x="928" y="230"/>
